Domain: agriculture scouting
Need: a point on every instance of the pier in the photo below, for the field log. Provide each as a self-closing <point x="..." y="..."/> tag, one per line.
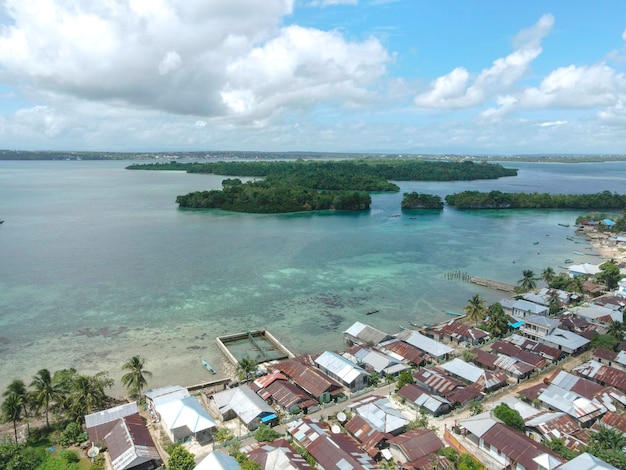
<point x="501" y="286"/>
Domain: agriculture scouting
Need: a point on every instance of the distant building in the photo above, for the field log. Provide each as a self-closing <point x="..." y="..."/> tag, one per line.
<point x="597" y="314"/>
<point x="381" y="414"/>
<point x="312" y="380"/>
<point x="483" y="380"/>
<point x="360" y="333"/>
<point x="417" y="448"/>
<point x="421" y="399"/>
<point x="241" y="402"/>
<point x="434" y="349"/>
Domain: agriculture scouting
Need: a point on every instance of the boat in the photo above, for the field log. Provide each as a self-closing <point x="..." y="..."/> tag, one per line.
<point x="535" y="243"/>
<point x="456" y="314"/>
<point x="208" y="367"/>
<point x="569" y="261"/>
<point x="577" y="253"/>
<point x="369" y="312"/>
<point x="564" y="225"/>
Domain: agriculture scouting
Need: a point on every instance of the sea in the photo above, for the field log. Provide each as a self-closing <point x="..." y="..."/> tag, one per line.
<point x="98" y="264"/>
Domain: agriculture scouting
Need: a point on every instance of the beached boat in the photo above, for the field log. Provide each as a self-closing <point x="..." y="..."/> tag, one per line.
<point x="208" y="367"/>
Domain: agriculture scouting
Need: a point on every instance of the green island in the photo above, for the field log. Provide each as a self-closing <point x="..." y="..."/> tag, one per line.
<point x="294" y="186"/>
<point x="421" y="201"/>
<point x="500" y="200"/>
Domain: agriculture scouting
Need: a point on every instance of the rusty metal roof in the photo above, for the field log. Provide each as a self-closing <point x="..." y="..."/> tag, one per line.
<point x="417" y="443"/>
<point x="460" y="331"/>
<point x="405" y="350"/>
<point x="287" y="394"/>
<point x="518" y="447"/>
<point x="129" y="442"/>
<point x="369" y="437"/>
<point x="603" y="374"/>
<point x="279" y="455"/>
<point x="308" y="378"/>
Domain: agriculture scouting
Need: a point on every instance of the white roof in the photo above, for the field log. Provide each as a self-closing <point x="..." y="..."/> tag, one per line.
<point x="547" y="461"/>
<point x="246" y="404"/>
<point x="340" y="366"/>
<point x="112" y="414"/>
<point x="217" y="461"/>
<point x="585" y="268"/>
<point x="430" y="402"/>
<point x="426" y="344"/>
<point x="366" y="333"/>
<point x="460" y="368"/>
<point x="587" y="462"/>
<point x="187" y="412"/>
<point x="531" y="307"/>
<point x="524" y="409"/>
<point x="480" y="424"/>
<point x="566" y="338"/>
<point x="596" y="311"/>
<point x="381" y="414"/>
<point x="164" y="394"/>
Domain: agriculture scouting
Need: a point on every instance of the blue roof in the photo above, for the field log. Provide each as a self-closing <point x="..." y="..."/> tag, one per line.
<point x="608" y="222"/>
<point x="267" y="418"/>
<point x="517" y="324"/>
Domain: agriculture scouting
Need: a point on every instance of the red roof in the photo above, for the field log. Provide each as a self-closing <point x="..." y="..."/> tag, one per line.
<point x="308" y="378"/>
<point x="417" y="443"/>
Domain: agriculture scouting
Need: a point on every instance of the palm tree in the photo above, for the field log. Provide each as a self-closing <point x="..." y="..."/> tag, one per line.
<point x="548" y="275"/>
<point x="616" y="329"/>
<point x="12" y="410"/>
<point x="576" y="284"/>
<point x="245" y="367"/>
<point x="528" y="282"/>
<point x="475" y="309"/>
<point x="18" y="387"/>
<point x="45" y="391"/>
<point x="554" y="302"/>
<point x="135" y="378"/>
<point x="87" y="394"/>
<point x="498" y="322"/>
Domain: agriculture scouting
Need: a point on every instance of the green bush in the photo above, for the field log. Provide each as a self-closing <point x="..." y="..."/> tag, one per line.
<point x="69" y="456"/>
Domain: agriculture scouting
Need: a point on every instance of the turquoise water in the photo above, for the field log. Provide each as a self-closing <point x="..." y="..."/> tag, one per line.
<point x="99" y="264"/>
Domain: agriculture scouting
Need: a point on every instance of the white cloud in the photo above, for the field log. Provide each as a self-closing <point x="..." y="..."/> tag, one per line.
<point x="326" y="3"/>
<point x="454" y="89"/>
<point x="552" y="123"/>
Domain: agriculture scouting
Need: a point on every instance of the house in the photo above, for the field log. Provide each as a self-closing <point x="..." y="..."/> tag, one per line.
<point x="527" y="344"/>
<point x="507" y="446"/>
<point x="130" y="445"/>
<point x="437" y="381"/>
<point x="371" y="440"/>
<point x="481" y="379"/>
<point x="421" y="399"/>
<point x="548" y="425"/>
<point x="582" y="409"/>
<point x="375" y="361"/>
<point x="603" y="375"/>
<point x="276" y="389"/>
<point x="360" y="333"/>
<point x="507" y="364"/>
<point x="587" y="461"/>
<point x="605" y="395"/>
<point x="417" y="448"/>
<point x="185" y="418"/>
<point x="543" y="295"/>
<point x="331" y="451"/>
<point x="404" y="351"/>
<point x="610" y="358"/>
<point x="278" y="455"/>
<point x="504" y="347"/>
<point x="538" y="327"/>
<point x="523" y="308"/>
<point x="597" y="314"/>
<point x="457" y="331"/>
<point x="241" y="402"/>
<point x="217" y="461"/>
<point x="585" y="269"/>
<point x="434" y="349"/>
<point x="310" y="379"/>
<point x="381" y="414"/>
<point x="344" y="371"/>
<point x="547" y="331"/>
<point x="100" y="423"/>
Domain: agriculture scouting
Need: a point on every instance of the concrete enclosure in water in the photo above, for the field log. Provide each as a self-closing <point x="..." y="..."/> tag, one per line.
<point x="259" y="345"/>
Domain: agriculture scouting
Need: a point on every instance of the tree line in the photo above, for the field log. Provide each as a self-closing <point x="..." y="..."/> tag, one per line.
<point x="501" y="200"/>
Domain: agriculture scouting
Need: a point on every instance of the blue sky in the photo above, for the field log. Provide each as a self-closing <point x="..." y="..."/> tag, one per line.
<point x="383" y="76"/>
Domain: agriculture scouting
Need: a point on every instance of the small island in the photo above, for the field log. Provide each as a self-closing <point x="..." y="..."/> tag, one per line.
<point x="421" y="201"/>
<point x="500" y="200"/>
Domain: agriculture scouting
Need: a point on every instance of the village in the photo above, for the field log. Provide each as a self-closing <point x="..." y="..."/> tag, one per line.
<point x="429" y="397"/>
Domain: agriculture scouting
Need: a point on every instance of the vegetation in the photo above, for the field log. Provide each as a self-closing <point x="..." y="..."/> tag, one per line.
<point x="405" y="377"/>
<point x="246" y="368"/>
<point x="475" y="310"/>
<point x="135" y="378"/>
<point x="180" y="458"/>
<point x="421" y="201"/>
<point x="234" y="450"/>
<point x="264" y="433"/>
<point x="607" y="444"/>
<point x="509" y="416"/>
<point x="497" y="321"/>
<point x="558" y="446"/>
<point x="274" y="196"/>
<point x="609" y="342"/>
<point x="598" y="219"/>
<point x="475" y="407"/>
<point x="461" y="461"/>
<point x="12" y="410"/>
<point x="609" y="274"/>
<point x="500" y="200"/>
<point x="528" y="282"/>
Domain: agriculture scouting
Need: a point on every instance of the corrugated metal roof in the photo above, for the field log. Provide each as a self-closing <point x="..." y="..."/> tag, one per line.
<point x="588" y="461"/>
<point x="188" y="413"/>
<point x="278" y="455"/>
<point x="311" y="379"/>
<point x="340" y="366"/>
<point x="366" y="333"/>
<point x="130" y="443"/>
<point x="417" y="443"/>
<point x="426" y="344"/>
<point x="420" y="397"/>
<point x="381" y="414"/>
<point x="110" y="415"/>
<point x="603" y="374"/>
<point x="405" y="350"/>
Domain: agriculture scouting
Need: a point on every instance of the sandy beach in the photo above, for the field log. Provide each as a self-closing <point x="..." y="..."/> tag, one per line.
<point x="608" y="249"/>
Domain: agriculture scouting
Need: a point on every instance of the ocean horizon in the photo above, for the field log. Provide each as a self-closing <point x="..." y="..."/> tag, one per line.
<point x="99" y="264"/>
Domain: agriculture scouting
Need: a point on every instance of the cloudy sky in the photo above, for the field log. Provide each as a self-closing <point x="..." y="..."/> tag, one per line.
<point x="408" y="76"/>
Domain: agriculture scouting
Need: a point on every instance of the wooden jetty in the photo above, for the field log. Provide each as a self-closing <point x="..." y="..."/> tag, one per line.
<point x="481" y="281"/>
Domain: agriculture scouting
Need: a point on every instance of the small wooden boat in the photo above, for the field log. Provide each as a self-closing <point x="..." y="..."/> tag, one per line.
<point x="535" y="243"/>
<point x="564" y="225"/>
<point x="369" y="312"/>
<point x="208" y="367"/>
<point x="456" y="314"/>
<point x="569" y="261"/>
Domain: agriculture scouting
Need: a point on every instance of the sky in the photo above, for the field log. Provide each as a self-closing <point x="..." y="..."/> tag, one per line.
<point x="482" y="77"/>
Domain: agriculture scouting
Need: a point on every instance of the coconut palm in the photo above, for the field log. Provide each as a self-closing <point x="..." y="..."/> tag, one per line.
<point x="475" y="309"/>
<point x="135" y="378"/>
<point x="497" y="322"/>
<point x="528" y="282"/>
<point x="12" y="410"/>
<point x="87" y="394"/>
<point x="46" y="391"/>
<point x="554" y="302"/>
<point x="576" y="284"/>
<point x="548" y="275"/>
<point x="616" y="329"/>
<point x="18" y="387"/>
<point x="245" y="367"/>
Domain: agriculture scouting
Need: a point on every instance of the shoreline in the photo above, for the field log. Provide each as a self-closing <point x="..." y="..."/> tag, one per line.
<point x="600" y="242"/>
